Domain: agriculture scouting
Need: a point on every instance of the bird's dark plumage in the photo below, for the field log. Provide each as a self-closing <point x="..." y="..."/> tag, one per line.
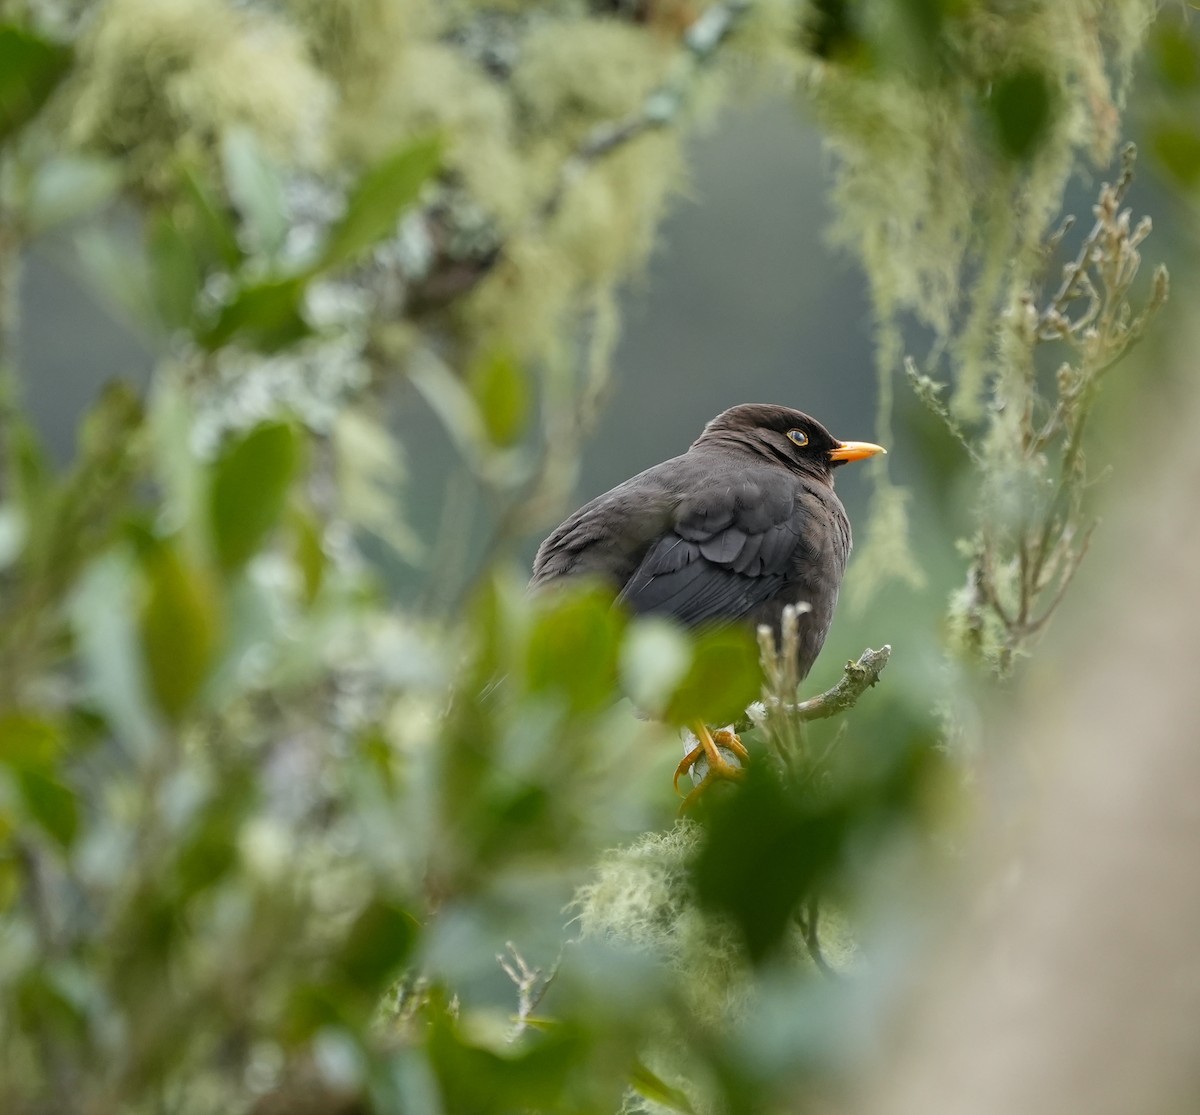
<point x="742" y="524"/>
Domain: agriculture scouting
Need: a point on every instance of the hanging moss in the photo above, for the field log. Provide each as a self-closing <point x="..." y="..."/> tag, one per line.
<point x="156" y="73"/>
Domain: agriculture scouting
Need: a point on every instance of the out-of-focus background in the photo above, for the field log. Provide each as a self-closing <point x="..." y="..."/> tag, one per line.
<point x="305" y="804"/>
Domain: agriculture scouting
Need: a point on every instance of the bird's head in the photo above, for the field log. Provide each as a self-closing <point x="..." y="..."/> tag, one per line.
<point x="785" y="435"/>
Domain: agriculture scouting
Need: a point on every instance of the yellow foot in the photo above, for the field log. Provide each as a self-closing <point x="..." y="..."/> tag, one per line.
<point x="719" y="768"/>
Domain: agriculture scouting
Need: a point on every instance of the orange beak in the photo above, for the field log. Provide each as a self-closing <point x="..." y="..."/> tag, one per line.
<point x="854" y="450"/>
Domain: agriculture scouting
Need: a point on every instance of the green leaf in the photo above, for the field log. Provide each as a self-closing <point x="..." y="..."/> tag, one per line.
<point x="379" y="942"/>
<point x="724" y="677"/>
<point x="256" y="188"/>
<point x="573" y="647"/>
<point x="210" y="850"/>
<point x="308" y="552"/>
<point x="176" y="272"/>
<point x="658" y="1091"/>
<point x="66" y="187"/>
<point x="485" y="1081"/>
<point x="1177" y="147"/>
<point x="655" y="658"/>
<point x="26" y="741"/>
<point x="179" y="623"/>
<point x="380" y="197"/>
<point x="266" y="316"/>
<point x="209" y="222"/>
<point x="1021" y="106"/>
<point x="765" y="849"/>
<point x="250" y="483"/>
<point x="501" y="391"/>
<point x="51" y="804"/>
<point x="104" y="619"/>
<point x="30" y="70"/>
<point x="1177" y="55"/>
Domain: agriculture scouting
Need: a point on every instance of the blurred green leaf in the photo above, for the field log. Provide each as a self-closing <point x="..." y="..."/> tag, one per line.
<point x="658" y="1091"/>
<point x="266" y="316"/>
<point x="773" y="843"/>
<point x="51" y="804"/>
<point x="179" y="623"/>
<point x="501" y="391"/>
<point x="477" y="1080"/>
<point x="69" y="186"/>
<point x="250" y="483"/>
<point x="379" y="198"/>
<point x="31" y="68"/>
<point x="308" y="551"/>
<point x="379" y="943"/>
<point x="833" y="30"/>
<point x="573" y="647"/>
<point x="211" y="849"/>
<point x="1177" y="147"/>
<point x="43" y="1008"/>
<point x="29" y="471"/>
<point x="27" y="741"/>
<point x="655" y="658"/>
<point x="256" y="188"/>
<point x="176" y="272"/>
<point x="1021" y="106"/>
<point x="765" y="849"/>
<point x="104" y="613"/>
<point x="724" y="677"/>
<point x="1176" y="55"/>
<point x="14" y="529"/>
<point x="208" y="221"/>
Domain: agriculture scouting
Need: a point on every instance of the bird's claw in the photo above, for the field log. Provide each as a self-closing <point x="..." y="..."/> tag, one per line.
<point x="719" y="768"/>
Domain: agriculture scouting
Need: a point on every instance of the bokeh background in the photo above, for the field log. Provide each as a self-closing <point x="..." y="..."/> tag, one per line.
<point x="353" y="825"/>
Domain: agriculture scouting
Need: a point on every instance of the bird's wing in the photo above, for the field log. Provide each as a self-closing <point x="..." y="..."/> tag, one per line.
<point x="728" y="551"/>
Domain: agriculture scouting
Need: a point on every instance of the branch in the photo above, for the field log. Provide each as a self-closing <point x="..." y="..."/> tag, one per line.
<point x="531" y="985"/>
<point x="662" y="106"/>
<point x="859" y="676"/>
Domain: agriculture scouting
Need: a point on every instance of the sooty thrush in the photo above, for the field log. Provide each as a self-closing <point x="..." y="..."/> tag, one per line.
<point x="741" y="525"/>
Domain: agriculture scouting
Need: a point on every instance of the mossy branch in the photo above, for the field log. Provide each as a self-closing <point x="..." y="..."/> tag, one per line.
<point x="859" y="675"/>
<point x="1034" y="527"/>
<point x="663" y="106"/>
<point x="779" y="714"/>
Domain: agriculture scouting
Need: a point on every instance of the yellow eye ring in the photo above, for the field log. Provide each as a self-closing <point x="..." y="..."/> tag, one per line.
<point x="798" y="436"/>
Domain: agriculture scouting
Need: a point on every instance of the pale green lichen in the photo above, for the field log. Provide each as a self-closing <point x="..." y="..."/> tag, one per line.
<point x="575" y="74"/>
<point x="948" y="229"/>
<point x="357" y="41"/>
<point x="641" y="896"/>
<point x="431" y="89"/>
<point x="157" y="73"/>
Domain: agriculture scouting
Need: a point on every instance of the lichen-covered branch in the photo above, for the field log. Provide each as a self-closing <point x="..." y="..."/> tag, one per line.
<point x="663" y="106"/>
<point x="1034" y="526"/>
<point x="779" y="714"/>
<point x="859" y="676"/>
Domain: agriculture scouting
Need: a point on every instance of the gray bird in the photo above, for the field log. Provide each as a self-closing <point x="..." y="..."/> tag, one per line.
<point x="741" y="525"/>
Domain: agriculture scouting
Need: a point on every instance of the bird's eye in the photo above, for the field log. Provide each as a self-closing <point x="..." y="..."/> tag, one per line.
<point x="798" y="436"/>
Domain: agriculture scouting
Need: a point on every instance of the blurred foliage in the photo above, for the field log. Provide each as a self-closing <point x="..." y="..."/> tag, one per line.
<point x="264" y="828"/>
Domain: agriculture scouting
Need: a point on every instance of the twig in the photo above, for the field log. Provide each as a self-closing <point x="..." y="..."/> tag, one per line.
<point x="531" y="985"/>
<point x="661" y="107"/>
<point x="808" y="919"/>
<point x="859" y="676"/>
<point x="1069" y="289"/>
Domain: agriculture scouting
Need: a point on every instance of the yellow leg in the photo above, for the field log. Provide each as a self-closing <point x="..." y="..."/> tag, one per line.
<point x="718" y="767"/>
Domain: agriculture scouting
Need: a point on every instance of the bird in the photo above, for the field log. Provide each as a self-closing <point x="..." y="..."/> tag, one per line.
<point x="742" y="524"/>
